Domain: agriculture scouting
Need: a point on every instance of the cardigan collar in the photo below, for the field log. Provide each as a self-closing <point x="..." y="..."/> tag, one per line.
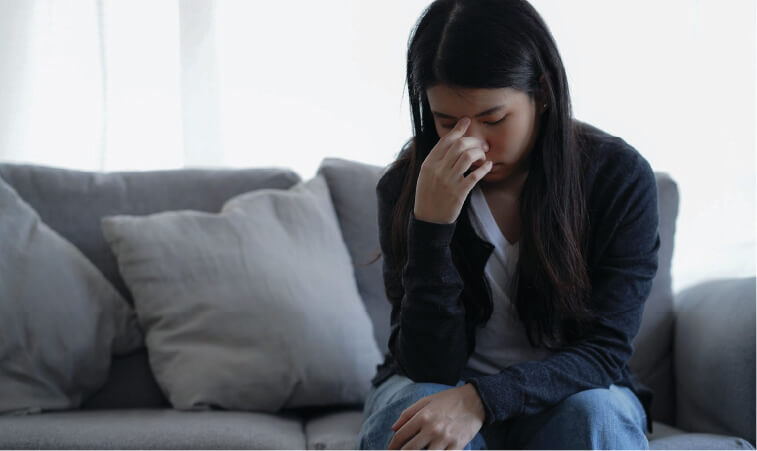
<point x="470" y="247"/>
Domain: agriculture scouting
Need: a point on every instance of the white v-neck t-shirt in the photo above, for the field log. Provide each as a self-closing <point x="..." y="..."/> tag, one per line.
<point x="502" y="340"/>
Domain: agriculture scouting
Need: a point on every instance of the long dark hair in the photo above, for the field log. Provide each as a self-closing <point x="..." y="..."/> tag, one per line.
<point x="497" y="44"/>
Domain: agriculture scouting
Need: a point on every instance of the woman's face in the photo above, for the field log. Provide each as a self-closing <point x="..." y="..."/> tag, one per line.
<point x="504" y="118"/>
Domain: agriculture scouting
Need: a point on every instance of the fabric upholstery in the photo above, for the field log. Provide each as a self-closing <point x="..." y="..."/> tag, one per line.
<point x="663" y="430"/>
<point x="352" y="187"/>
<point x="700" y="441"/>
<point x="130" y="385"/>
<point x="60" y="319"/>
<point x="152" y="429"/>
<point x="73" y="202"/>
<point x="339" y="430"/>
<point x="254" y="308"/>
<point x="171" y="429"/>
<point x="57" y="196"/>
<point x="334" y="430"/>
<point x="715" y="357"/>
<point x="353" y="190"/>
<point x="652" y="358"/>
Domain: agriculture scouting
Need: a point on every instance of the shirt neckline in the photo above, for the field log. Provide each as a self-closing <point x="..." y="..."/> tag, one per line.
<point x="486" y="218"/>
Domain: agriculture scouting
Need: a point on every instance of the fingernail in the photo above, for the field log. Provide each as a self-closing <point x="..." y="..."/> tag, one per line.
<point x="486" y="146"/>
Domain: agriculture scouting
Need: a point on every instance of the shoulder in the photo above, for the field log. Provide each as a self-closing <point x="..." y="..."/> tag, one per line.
<point x="612" y="165"/>
<point x="621" y="193"/>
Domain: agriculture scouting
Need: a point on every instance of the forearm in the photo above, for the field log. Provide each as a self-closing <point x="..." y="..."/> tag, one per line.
<point x="430" y="339"/>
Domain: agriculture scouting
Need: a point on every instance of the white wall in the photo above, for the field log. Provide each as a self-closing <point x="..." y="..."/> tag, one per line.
<point x="114" y="85"/>
<point x="674" y="78"/>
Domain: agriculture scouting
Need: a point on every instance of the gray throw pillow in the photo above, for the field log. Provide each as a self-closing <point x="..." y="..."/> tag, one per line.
<point x="254" y="308"/>
<point x="60" y="320"/>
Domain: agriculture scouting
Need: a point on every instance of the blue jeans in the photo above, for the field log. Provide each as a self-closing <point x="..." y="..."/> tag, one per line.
<point x="603" y="418"/>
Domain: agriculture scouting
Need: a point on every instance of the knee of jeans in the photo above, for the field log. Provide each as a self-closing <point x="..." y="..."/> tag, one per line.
<point x="377" y="428"/>
<point x="371" y="439"/>
<point x="600" y="404"/>
<point x="409" y="395"/>
<point x="418" y="390"/>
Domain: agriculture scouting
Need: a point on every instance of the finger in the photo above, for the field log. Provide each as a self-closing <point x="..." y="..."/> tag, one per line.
<point x="461" y="146"/>
<point x="418" y="442"/>
<point x="456" y="444"/>
<point x="458" y="131"/>
<point x="475" y="176"/>
<point x="438" y="443"/>
<point x="413" y="426"/>
<point x="466" y="161"/>
<point x="404" y="434"/>
<point x="410" y="412"/>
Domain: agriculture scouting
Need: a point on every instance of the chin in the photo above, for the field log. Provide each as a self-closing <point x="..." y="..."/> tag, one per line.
<point x="497" y="171"/>
<point x="500" y="172"/>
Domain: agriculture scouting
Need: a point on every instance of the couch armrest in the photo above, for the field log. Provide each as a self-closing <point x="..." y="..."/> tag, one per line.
<point x="714" y="354"/>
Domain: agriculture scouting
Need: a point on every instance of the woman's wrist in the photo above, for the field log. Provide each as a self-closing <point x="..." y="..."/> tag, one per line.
<point x="473" y="400"/>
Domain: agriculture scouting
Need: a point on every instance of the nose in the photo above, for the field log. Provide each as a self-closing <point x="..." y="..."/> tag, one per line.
<point x="475" y="131"/>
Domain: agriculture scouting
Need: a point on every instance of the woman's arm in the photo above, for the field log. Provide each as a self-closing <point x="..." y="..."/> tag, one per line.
<point x="428" y="338"/>
<point x="626" y="244"/>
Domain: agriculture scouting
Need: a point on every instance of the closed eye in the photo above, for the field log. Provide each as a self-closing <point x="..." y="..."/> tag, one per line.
<point x="496" y="122"/>
<point x="450" y="126"/>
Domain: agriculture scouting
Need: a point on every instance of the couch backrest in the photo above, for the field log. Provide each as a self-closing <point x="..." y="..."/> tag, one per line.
<point x="353" y="191"/>
<point x="653" y="347"/>
<point x="73" y="202"/>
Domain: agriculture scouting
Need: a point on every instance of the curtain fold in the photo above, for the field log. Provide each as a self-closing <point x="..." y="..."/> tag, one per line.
<point x="144" y="84"/>
<point x="200" y="93"/>
<point x="50" y="86"/>
<point x="109" y="85"/>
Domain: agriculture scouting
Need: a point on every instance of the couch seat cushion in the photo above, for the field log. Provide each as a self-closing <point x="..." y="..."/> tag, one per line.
<point x="334" y="430"/>
<point x="700" y="441"/>
<point x="339" y="430"/>
<point x="152" y="429"/>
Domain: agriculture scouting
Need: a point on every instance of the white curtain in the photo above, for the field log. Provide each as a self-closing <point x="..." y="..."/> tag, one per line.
<point x="109" y="85"/>
<point x="155" y="84"/>
<point x="51" y="96"/>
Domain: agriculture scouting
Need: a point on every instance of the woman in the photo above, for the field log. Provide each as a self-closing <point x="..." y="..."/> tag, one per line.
<point x="519" y="248"/>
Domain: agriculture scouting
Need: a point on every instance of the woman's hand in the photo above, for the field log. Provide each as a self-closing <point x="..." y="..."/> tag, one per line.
<point x="442" y="187"/>
<point x="445" y="420"/>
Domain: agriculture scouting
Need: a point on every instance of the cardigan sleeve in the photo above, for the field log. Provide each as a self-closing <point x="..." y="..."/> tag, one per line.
<point x="428" y="336"/>
<point x="626" y="243"/>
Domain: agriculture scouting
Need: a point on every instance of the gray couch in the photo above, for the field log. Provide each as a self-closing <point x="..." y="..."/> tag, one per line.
<point x="696" y="348"/>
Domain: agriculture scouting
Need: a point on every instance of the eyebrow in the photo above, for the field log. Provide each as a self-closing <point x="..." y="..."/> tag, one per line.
<point x="483" y="113"/>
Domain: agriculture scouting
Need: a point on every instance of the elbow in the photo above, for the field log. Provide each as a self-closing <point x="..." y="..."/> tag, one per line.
<point x="444" y="376"/>
<point x="613" y="364"/>
<point x="443" y="368"/>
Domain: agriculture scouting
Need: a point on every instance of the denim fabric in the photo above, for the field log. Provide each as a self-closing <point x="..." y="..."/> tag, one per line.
<point x="606" y="418"/>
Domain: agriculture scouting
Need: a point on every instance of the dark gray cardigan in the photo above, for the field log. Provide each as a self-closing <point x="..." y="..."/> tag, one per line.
<point x="432" y="337"/>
